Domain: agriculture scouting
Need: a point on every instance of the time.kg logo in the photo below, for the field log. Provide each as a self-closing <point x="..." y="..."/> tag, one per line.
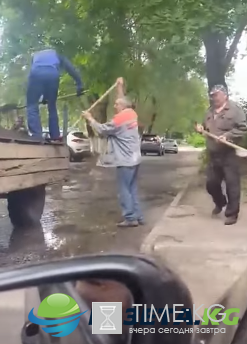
<point x="57" y="306"/>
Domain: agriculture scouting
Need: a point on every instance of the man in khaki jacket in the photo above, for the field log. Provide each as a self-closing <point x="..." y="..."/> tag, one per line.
<point x="226" y="120"/>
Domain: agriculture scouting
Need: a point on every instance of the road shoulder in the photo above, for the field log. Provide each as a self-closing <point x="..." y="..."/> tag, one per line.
<point x="210" y="257"/>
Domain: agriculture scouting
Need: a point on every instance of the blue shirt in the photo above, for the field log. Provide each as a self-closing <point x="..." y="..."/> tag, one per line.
<point x="50" y="58"/>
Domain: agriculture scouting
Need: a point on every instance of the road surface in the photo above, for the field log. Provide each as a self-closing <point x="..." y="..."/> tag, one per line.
<point x="81" y="216"/>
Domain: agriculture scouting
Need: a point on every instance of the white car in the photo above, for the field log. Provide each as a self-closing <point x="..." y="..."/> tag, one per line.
<point x="79" y="145"/>
<point x="170" y="146"/>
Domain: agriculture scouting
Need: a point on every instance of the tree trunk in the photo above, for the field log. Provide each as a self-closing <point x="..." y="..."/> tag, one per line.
<point x="90" y="131"/>
<point x="215" y="44"/>
<point x="91" y="100"/>
<point x="154" y="116"/>
<point x="218" y="59"/>
<point x="99" y="112"/>
<point x="98" y="144"/>
<point x="141" y="129"/>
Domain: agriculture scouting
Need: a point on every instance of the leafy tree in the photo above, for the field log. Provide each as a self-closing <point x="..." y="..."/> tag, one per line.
<point x="113" y="33"/>
<point x="154" y="45"/>
<point x="243" y="104"/>
<point x="184" y="24"/>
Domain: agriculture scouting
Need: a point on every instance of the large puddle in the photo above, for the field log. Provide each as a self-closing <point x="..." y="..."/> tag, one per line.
<point x="80" y="216"/>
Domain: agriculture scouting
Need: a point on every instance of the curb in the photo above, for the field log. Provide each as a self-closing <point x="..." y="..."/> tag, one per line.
<point x="147" y="246"/>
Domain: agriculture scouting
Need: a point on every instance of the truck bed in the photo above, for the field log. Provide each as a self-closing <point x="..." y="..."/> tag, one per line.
<point x="26" y="162"/>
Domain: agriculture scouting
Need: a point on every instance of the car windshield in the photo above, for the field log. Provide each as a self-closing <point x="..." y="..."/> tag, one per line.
<point x="170" y="141"/>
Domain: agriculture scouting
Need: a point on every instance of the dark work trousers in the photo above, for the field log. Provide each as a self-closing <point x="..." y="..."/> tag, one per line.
<point x="224" y="166"/>
<point x="43" y="81"/>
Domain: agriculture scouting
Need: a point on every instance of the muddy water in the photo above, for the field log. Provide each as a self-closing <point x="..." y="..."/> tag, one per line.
<point x="80" y="216"/>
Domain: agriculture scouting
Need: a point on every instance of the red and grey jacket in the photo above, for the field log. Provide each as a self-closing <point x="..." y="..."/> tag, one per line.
<point x="123" y="140"/>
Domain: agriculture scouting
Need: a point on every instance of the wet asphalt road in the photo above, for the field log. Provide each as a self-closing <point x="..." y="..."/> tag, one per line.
<point x="80" y="216"/>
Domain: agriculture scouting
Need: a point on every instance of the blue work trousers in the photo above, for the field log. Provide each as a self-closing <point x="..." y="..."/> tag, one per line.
<point x="128" y="193"/>
<point x="43" y="81"/>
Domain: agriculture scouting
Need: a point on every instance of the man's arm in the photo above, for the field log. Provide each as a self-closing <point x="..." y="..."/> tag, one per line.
<point x="240" y="128"/>
<point x="105" y="129"/>
<point x="120" y="88"/>
<point x="69" y="68"/>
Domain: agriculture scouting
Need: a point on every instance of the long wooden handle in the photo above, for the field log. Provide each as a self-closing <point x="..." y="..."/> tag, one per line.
<point x="230" y="144"/>
<point x="102" y="97"/>
<point x="96" y="103"/>
<point x="71" y="95"/>
<point x="9" y="107"/>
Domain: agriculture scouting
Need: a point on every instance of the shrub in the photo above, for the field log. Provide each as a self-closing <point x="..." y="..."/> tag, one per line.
<point x="196" y="140"/>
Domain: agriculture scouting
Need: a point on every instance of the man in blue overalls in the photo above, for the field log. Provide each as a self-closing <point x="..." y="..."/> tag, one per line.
<point x="43" y="81"/>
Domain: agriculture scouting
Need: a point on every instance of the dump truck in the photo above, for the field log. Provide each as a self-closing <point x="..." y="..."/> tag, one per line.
<point x="27" y="165"/>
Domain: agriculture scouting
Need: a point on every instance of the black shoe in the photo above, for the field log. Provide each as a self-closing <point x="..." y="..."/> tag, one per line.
<point x="231" y="220"/>
<point x="217" y="210"/>
<point x="127" y="224"/>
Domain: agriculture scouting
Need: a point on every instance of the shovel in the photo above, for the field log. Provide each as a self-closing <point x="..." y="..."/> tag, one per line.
<point x="96" y="103"/>
<point x="240" y="151"/>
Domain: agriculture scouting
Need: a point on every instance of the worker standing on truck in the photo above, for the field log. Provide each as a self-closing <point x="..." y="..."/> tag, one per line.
<point x="43" y="81"/>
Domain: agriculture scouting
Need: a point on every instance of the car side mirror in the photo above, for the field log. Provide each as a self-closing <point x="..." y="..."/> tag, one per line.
<point x="88" y="299"/>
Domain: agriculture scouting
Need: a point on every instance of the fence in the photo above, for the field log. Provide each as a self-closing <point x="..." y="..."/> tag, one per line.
<point x="7" y="120"/>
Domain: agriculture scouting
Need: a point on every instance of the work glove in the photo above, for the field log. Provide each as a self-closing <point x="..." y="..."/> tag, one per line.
<point x="79" y="91"/>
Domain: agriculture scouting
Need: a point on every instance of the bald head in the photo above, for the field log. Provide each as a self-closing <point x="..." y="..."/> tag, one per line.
<point x="125" y="101"/>
<point x="122" y="103"/>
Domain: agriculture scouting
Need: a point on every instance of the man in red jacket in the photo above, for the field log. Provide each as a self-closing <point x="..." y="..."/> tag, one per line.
<point x="124" y="154"/>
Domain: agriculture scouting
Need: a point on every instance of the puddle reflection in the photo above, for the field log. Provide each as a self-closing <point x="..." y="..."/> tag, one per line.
<point x="79" y="218"/>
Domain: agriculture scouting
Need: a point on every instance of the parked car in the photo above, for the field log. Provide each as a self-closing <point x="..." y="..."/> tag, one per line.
<point x="79" y="145"/>
<point x="170" y="146"/>
<point x="151" y="143"/>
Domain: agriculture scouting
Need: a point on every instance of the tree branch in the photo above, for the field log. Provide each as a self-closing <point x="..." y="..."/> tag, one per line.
<point x="235" y="42"/>
<point x="146" y="98"/>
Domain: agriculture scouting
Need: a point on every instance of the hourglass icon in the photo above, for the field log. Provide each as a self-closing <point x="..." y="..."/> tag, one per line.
<point x="107" y="324"/>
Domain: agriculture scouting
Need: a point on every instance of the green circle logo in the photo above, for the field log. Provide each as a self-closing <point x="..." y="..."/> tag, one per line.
<point x="57" y="306"/>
